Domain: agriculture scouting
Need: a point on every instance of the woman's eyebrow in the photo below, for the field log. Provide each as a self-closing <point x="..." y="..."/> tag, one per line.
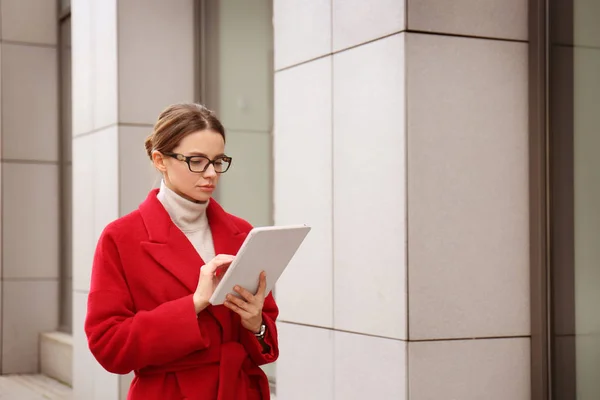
<point x="198" y="153"/>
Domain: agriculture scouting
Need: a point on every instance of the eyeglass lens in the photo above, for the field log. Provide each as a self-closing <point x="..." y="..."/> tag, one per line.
<point x="200" y="164"/>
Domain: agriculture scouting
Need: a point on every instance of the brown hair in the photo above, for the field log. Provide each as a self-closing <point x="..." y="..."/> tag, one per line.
<point x="176" y="122"/>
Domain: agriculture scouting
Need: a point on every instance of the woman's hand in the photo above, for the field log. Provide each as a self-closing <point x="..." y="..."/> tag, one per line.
<point x="250" y="306"/>
<point x="210" y="276"/>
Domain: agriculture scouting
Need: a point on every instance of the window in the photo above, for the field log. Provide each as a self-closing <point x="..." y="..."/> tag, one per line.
<point x="236" y="80"/>
<point x="65" y="323"/>
<point x="574" y="102"/>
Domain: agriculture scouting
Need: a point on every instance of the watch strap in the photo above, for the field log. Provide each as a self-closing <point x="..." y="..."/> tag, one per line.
<point x="261" y="333"/>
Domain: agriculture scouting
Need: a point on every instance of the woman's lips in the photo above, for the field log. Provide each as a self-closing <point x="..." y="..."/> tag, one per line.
<point x="207" y="188"/>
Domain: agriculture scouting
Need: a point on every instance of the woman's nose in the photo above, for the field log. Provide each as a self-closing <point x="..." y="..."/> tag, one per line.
<point x="210" y="171"/>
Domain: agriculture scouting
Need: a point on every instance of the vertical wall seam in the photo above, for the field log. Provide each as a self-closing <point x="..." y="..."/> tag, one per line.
<point x="61" y="167"/>
<point x="1" y="209"/>
<point x="332" y="142"/>
<point x="406" y="15"/>
<point x="118" y="113"/>
<point x="272" y="119"/>
<point x="406" y="202"/>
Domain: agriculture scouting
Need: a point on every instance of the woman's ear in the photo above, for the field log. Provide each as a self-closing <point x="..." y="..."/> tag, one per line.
<point x="159" y="161"/>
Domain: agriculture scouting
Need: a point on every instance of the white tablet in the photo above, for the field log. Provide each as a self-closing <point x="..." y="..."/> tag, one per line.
<point x="268" y="249"/>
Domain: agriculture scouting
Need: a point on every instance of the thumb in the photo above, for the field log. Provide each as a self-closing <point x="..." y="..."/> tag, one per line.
<point x="262" y="284"/>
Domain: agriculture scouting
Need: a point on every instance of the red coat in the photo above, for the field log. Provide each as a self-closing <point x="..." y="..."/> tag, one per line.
<point x="141" y="316"/>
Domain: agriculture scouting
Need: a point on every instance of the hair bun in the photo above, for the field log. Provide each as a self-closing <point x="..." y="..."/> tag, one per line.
<point x="149" y="145"/>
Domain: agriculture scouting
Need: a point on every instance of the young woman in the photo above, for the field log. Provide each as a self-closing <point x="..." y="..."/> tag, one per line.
<point x="155" y="269"/>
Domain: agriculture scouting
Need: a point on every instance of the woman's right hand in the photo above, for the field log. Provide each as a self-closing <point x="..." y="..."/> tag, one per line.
<point x="210" y="276"/>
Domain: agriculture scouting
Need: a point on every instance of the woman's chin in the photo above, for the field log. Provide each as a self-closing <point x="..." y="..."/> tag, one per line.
<point x="201" y="195"/>
<point x="196" y="197"/>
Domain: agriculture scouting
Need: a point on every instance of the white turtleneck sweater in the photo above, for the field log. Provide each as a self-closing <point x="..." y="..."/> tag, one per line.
<point x="191" y="218"/>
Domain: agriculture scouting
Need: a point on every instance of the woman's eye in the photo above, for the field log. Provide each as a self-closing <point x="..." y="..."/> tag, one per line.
<point x="197" y="162"/>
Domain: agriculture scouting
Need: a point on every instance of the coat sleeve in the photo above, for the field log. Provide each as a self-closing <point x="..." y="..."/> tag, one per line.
<point x="251" y="343"/>
<point x="123" y="340"/>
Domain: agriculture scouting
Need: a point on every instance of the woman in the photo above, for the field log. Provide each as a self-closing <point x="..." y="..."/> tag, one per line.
<point x="155" y="269"/>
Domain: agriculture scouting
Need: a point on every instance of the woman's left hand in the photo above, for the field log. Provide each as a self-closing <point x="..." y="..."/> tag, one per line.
<point x="249" y="306"/>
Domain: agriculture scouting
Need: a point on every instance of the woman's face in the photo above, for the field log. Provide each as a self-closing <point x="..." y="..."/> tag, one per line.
<point x="177" y="175"/>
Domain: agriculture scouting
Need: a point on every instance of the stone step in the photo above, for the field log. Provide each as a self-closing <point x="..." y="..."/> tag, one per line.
<point x="33" y="387"/>
<point x="56" y="356"/>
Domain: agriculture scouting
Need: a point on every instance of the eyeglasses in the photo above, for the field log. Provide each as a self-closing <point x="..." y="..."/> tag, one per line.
<point x="199" y="164"/>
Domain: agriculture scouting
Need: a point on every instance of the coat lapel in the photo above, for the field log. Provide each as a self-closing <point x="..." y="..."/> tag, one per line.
<point x="167" y="245"/>
<point x="227" y="236"/>
<point x="177" y="256"/>
<point x="170" y="248"/>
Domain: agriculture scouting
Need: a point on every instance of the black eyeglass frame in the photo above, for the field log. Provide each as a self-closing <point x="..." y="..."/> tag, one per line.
<point x="187" y="160"/>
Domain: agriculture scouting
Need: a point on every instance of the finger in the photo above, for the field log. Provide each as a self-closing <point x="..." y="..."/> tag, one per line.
<point x="237" y="309"/>
<point x="262" y="285"/>
<point x="222" y="260"/>
<point x="249" y="297"/>
<point x="211" y="269"/>
<point x="239" y="302"/>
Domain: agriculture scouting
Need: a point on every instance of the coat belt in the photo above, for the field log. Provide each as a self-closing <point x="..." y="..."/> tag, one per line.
<point x="231" y="357"/>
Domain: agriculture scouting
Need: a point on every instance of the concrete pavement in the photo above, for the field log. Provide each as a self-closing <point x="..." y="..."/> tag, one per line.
<point x="32" y="387"/>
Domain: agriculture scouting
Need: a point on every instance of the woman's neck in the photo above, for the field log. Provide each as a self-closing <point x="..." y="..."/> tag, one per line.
<point x="189" y="215"/>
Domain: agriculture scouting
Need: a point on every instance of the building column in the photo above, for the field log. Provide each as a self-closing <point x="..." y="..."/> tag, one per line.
<point x="30" y="181"/>
<point x="401" y="136"/>
<point x="340" y="159"/>
<point x="468" y="200"/>
<point x="130" y="60"/>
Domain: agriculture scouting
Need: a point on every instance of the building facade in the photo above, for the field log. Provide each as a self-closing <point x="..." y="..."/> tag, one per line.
<point x="443" y="152"/>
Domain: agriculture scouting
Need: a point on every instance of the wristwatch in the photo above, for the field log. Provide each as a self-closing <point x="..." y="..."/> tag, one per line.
<point x="261" y="333"/>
